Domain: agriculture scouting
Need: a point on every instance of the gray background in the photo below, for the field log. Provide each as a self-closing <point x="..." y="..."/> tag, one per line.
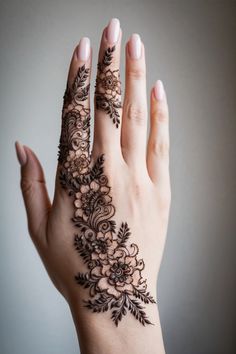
<point x="191" y="46"/>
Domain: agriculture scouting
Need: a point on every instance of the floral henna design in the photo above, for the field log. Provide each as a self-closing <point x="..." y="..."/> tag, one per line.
<point x="114" y="271"/>
<point x="108" y="88"/>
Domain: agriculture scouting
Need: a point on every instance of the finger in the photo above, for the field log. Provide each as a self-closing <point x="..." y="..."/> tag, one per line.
<point x="158" y="143"/>
<point x="33" y="186"/>
<point x="108" y="91"/>
<point x="134" y="124"/>
<point x="75" y="129"/>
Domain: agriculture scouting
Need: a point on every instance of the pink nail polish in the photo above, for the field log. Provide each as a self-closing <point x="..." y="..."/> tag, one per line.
<point x="21" y="154"/>
<point x="83" y="50"/>
<point x="159" y="91"/>
<point x="135" y="46"/>
<point x="113" y="31"/>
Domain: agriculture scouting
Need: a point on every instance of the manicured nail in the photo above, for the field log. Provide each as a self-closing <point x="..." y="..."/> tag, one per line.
<point x="83" y="50"/>
<point x="21" y="154"/>
<point x="113" y="31"/>
<point x="135" y="46"/>
<point x="159" y="91"/>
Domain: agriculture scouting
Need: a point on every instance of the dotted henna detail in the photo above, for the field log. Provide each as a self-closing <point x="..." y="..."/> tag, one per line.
<point x="108" y="88"/>
<point x="114" y="271"/>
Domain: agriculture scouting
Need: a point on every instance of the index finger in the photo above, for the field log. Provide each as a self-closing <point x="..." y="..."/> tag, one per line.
<point x="75" y="128"/>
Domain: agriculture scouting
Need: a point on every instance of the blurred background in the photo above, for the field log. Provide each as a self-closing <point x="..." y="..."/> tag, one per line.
<point x="191" y="46"/>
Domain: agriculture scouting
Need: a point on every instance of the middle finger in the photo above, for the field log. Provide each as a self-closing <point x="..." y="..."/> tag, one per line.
<point x="108" y="92"/>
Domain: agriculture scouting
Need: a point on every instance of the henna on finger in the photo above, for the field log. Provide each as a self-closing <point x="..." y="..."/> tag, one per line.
<point x="114" y="270"/>
<point x="75" y="130"/>
<point x="108" y="88"/>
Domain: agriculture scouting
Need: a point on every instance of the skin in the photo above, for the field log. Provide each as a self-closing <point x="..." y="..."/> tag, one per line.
<point x="138" y="174"/>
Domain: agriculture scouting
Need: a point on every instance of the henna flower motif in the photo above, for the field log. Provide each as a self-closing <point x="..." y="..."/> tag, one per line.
<point x="89" y="197"/>
<point x="121" y="274"/>
<point x="109" y="84"/>
<point x="77" y="163"/>
<point x="101" y="245"/>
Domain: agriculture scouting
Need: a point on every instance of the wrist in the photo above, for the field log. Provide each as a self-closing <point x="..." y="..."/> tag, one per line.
<point x="97" y="333"/>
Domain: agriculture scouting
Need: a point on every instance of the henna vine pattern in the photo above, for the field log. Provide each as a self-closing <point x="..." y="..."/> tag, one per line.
<point x="108" y="88"/>
<point x="114" y="276"/>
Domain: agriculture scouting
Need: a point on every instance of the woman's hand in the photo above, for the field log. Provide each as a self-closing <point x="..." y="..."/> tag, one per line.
<point x="102" y="238"/>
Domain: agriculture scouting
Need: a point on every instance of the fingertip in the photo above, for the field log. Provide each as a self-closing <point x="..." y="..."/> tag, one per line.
<point x="134" y="47"/>
<point x="159" y="91"/>
<point x="159" y="105"/>
<point x="83" y="49"/>
<point x="32" y="167"/>
<point x="113" y="31"/>
<point x="82" y="56"/>
<point x="20" y="153"/>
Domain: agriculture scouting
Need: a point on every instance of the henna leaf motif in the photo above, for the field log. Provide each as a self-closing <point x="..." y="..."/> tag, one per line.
<point x="143" y="296"/>
<point x="82" y="249"/>
<point x="120" y="309"/>
<point x="101" y="304"/>
<point x="87" y="282"/>
<point x="137" y="311"/>
<point x="83" y="279"/>
<point x="81" y="77"/>
<point x="123" y="234"/>
<point x="107" y="59"/>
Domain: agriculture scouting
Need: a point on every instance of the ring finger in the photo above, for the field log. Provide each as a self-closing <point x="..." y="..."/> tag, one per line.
<point x="134" y="124"/>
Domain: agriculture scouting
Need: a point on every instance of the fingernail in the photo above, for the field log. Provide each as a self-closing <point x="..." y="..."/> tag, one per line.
<point x="159" y="91"/>
<point x="135" y="46"/>
<point x="21" y="154"/>
<point x="113" y="31"/>
<point x="83" y="50"/>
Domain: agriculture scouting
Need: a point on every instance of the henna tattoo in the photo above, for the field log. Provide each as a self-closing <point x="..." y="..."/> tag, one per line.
<point x="108" y="88"/>
<point x="114" y="271"/>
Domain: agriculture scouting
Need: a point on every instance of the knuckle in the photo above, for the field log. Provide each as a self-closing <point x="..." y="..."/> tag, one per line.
<point x="161" y="113"/>
<point x="138" y="187"/>
<point x="138" y="190"/>
<point x="136" y="73"/>
<point x="26" y="186"/>
<point x="160" y="148"/>
<point x="136" y="113"/>
<point x="136" y="196"/>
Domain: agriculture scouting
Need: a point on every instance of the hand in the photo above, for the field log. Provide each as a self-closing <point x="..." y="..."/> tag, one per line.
<point x="102" y="238"/>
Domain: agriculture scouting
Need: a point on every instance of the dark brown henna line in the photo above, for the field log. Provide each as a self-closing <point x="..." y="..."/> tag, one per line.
<point x="108" y="88"/>
<point x="113" y="275"/>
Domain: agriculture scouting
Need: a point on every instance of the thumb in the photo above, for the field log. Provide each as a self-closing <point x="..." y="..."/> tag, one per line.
<point x="33" y="186"/>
